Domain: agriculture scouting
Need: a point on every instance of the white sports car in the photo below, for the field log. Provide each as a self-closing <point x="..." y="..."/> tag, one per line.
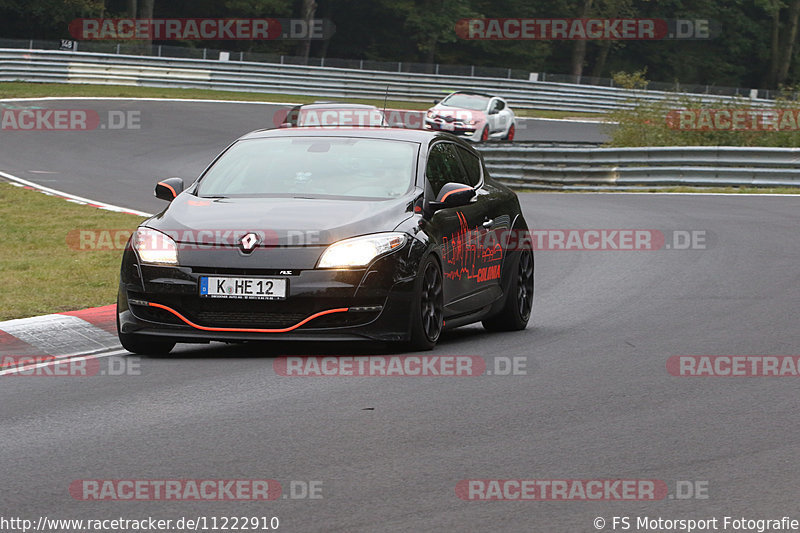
<point x="472" y="115"/>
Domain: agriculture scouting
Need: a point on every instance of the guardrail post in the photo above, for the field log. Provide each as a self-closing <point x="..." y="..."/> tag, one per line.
<point x="322" y="62"/>
<point x="204" y="52"/>
<point x="30" y="47"/>
<point x="117" y="48"/>
<point x="241" y="56"/>
<point x="399" y="66"/>
<point x="472" y="71"/>
<point x="437" y="68"/>
<point x="509" y="73"/>
<point x="281" y="59"/>
<point x="361" y="64"/>
<point x="159" y="50"/>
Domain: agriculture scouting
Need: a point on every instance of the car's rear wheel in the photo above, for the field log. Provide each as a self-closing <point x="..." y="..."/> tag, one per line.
<point x="142" y="345"/>
<point x="427" y="309"/>
<point x="485" y="134"/>
<point x="512" y="130"/>
<point x="518" y="306"/>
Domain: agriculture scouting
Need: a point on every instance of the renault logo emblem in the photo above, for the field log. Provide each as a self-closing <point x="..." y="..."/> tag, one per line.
<point x="249" y="242"/>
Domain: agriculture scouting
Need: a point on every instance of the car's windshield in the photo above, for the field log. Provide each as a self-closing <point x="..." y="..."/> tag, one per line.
<point x="313" y="166"/>
<point x="474" y="102"/>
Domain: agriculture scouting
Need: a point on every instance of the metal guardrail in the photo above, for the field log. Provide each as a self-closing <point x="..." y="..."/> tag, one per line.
<point x="523" y="166"/>
<point x="81" y="67"/>
<point x="188" y="50"/>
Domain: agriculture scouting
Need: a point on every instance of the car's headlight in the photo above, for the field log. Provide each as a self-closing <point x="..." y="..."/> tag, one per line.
<point x="155" y="247"/>
<point x="431" y="114"/>
<point x="360" y="251"/>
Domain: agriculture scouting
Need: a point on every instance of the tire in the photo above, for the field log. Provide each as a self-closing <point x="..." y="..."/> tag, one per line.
<point x="512" y="130"/>
<point x="427" y="309"/>
<point x="485" y="134"/>
<point x="518" y="306"/>
<point x="143" y="345"/>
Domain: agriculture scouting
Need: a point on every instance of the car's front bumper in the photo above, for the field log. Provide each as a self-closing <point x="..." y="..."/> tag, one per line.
<point x="456" y="128"/>
<point x="369" y="303"/>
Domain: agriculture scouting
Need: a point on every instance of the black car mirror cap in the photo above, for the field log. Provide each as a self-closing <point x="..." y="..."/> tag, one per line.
<point x="168" y="189"/>
<point x="436" y="101"/>
<point x="453" y="195"/>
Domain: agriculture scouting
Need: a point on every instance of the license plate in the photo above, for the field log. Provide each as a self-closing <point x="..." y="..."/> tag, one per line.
<point x="243" y="288"/>
<point x="448" y="126"/>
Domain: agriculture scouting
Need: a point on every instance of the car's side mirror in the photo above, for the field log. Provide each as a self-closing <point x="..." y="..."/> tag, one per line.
<point x="168" y="189"/>
<point x="436" y="101"/>
<point x="452" y="195"/>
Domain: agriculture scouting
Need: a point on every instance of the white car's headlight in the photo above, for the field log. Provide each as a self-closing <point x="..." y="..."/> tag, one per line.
<point x="155" y="247"/>
<point x="360" y="251"/>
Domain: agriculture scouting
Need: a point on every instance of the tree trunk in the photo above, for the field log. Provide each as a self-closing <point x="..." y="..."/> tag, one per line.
<point x="132" y="9"/>
<point x="579" y="50"/>
<point x="146" y="8"/>
<point x="788" y="43"/>
<point x="602" y="57"/>
<point x="775" y="49"/>
<point x="430" y="54"/>
<point x="307" y="13"/>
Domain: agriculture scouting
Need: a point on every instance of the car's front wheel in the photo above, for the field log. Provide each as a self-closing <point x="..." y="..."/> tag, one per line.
<point x="518" y="306"/>
<point x="427" y="309"/>
<point x="142" y="345"/>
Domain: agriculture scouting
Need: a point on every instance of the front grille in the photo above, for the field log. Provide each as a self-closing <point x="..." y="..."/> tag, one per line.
<point x="247" y="320"/>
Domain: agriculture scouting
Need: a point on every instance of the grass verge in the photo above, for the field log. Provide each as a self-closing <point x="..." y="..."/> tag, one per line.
<point x="40" y="272"/>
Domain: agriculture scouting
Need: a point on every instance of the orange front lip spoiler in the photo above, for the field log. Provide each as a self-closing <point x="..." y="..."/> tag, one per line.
<point x="250" y="330"/>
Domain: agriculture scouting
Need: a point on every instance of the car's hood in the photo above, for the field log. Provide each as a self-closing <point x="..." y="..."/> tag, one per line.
<point x="278" y="221"/>
<point x="457" y="113"/>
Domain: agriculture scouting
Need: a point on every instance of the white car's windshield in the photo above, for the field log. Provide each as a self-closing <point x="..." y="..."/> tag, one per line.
<point x="313" y="166"/>
<point x="475" y="102"/>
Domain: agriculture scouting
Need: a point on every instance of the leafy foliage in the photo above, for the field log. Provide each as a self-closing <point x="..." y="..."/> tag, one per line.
<point x="755" y="46"/>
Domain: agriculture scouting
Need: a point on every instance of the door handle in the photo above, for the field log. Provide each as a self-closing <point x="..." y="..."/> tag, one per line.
<point x="488" y="223"/>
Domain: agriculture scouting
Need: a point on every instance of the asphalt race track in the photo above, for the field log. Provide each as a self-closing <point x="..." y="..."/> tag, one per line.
<point x="120" y="166"/>
<point x="595" y="400"/>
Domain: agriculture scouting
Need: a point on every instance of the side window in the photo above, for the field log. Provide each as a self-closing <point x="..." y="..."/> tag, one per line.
<point x="443" y="167"/>
<point x="292" y="116"/>
<point x="472" y="165"/>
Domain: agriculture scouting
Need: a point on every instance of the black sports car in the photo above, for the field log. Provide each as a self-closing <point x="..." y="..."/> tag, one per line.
<point x="328" y="233"/>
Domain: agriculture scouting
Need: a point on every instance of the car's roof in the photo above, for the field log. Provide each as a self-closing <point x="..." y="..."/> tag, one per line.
<point x="367" y="132"/>
<point x="474" y="93"/>
<point x="336" y="105"/>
